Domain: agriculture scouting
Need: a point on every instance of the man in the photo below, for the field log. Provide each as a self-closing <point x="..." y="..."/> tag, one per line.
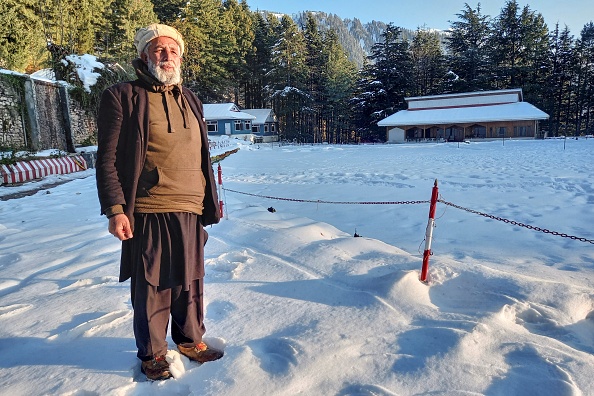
<point x="156" y="186"/>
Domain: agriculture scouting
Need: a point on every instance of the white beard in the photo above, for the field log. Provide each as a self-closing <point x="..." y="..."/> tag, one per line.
<point x="172" y="77"/>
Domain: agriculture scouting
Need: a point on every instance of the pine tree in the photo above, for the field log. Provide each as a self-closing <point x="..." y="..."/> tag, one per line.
<point x="259" y="61"/>
<point x="584" y="104"/>
<point x="563" y="68"/>
<point x="468" y="50"/>
<point x="208" y="49"/>
<point x="287" y="93"/>
<point x="20" y="38"/>
<point x="506" y="45"/>
<point x="383" y="84"/>
<point x="169" y="11"/>
<point x="73" y="25"/>
<point x="125" y="17"/>
<point x="339" y="84"/>
<point x="238" y="23"/>
<point x="534" y="59"/>
<point x="71" y="28"/>
<point x="428" y="63"/>
<point x="519" y="48"/>
<point x="315" y="63"/>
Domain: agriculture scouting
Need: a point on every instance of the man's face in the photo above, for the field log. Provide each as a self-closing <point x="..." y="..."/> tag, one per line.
<point x="163" y="58"/>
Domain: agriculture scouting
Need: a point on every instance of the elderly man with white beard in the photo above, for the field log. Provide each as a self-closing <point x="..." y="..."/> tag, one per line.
<point x="157" y="188"/>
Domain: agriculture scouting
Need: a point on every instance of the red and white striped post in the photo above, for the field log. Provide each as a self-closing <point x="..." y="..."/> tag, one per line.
<point x="220" y="172"/>
<point x="429" y="233"/>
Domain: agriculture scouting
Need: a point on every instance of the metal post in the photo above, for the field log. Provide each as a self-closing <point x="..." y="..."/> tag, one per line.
<point x="429" y="233"/>
<point x="220" y="172"/>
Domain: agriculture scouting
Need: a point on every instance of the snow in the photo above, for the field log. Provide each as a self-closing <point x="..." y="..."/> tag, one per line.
<point x="5" y="71"/>
<point x="85" y="66"/>
<point x="300" y="305"/>
<point x="520" y="111"/>
<point x="47" y="75"/>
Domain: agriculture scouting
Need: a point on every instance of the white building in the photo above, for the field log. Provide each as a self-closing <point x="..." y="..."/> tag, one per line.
<point x="455" y="117"/>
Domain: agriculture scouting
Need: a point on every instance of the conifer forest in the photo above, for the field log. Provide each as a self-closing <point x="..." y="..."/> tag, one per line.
<point x="321" y="86"/>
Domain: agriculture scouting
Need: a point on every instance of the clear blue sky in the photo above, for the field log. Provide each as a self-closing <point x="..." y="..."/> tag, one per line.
<point x="434" y="14"/>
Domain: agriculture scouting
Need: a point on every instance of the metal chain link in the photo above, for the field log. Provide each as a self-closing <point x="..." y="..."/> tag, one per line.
<point x="517" y="223"/>
<point x="504" y="220"/>
<point x="331" y="202"/>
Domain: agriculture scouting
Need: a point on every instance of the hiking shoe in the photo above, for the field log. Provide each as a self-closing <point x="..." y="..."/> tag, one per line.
<point x="156" y="369"/>
<point x="200" y="353"/>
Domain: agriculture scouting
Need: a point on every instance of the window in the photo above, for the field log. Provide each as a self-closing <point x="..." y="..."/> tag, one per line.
<point x="520" y="131"/>
<point x="212" y="126"/>
<point x="255" y="128"/>
<point x="265" y="128"/>
<point x="272" y="127"/>
<point x="238" y="126"/>
<point x="501" y="131"/>
<point x="479" y="131"/>
<point x="248" y="125"/>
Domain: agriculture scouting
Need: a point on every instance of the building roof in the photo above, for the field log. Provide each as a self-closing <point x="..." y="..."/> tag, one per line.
<point x="225" y="111"/>
<point x="477" y="98"/>
<point x="465" y="108"/>
<point x="262" y="115"/>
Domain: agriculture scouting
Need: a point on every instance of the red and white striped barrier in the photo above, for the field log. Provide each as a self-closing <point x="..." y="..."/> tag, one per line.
<point x="36" y="169"/>
<point x="220" y="172"/>
<point x="429" y="234"/>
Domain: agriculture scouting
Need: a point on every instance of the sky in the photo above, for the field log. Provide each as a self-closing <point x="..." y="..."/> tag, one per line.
<point x="435" y="14"/>
<point x="302" y="307"/>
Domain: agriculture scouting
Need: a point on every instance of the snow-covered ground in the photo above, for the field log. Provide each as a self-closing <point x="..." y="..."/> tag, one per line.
<point x="300" y="305"/>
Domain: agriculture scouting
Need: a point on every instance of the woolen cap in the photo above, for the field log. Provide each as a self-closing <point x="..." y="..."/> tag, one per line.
<point x="146" y="34"/>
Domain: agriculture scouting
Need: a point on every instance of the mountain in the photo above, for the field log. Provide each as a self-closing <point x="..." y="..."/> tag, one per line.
<point x="356" y="37"/>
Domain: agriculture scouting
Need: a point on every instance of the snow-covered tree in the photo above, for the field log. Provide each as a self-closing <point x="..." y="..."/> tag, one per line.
<point x="468" y="56"/>
<point x="383" y="83"/>
<point x="288" y="89"/>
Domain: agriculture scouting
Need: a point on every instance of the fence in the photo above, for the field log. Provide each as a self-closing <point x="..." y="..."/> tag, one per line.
<point x="429" y="231"/>
<point x="29" y="170"/>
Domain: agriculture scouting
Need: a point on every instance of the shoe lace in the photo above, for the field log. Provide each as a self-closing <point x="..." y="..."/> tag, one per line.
<point x="159" y="362"/>
<point x="201" y="347"/>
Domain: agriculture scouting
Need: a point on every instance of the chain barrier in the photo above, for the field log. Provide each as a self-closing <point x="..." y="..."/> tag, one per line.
<point x="504" y="220"/>
<point x="318" y="201"/>
<point x="517" y="223"/>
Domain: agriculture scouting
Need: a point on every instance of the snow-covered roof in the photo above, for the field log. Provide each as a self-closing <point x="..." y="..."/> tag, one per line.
<point x="225" y="111"/>
<point x="519" y="111"/>
<point x="476" y="98"/>
<point x="262" y="115"/>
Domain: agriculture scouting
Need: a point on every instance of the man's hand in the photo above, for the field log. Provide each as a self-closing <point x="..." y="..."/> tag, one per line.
<point x="119" y="227"/>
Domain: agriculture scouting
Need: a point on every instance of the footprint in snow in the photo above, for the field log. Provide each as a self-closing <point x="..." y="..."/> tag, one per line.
<point x="228" y="265"/>
<point x="539" y="319"/>
<point x="276" y="355"/>
<point x="87" y="327"/>
<point x="92" y="282"/>
<point x="219" y="309"/>
<point x="524" y="375"/>
<point x="365" y="390"/>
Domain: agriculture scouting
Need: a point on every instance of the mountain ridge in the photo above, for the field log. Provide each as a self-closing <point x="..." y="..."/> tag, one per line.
<point x="357" y="38"/>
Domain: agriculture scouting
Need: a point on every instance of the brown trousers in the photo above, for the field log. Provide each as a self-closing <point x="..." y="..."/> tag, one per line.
<point x="152" y="308"/>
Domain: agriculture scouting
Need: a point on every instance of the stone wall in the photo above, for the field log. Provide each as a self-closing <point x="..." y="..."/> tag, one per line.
<point x="83" y="125"/>
<point x="50" y="121"/>
<point x="13" y="113"/>
<point x="39" y="115"/>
